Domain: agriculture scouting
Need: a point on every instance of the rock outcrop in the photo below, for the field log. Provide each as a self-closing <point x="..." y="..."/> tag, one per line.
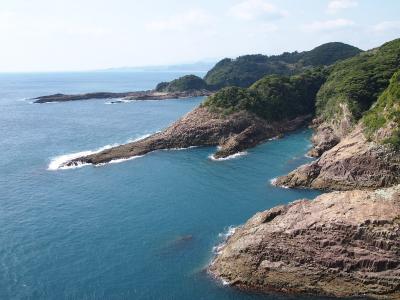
<point x="340" y="244"/>
<point x="201" y="127"/>
<point x="351" y="164"/>
<point x="140" y="95"/>
<point x="327" y="134"/>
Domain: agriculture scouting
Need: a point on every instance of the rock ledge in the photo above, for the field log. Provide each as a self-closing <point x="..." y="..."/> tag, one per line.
<point x="341" y="244"/>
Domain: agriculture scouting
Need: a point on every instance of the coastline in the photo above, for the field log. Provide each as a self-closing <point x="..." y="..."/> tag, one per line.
<point x="233" y="134"/>
<point x="126" y="96"/>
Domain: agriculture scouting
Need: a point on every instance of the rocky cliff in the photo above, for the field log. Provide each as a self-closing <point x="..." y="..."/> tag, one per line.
<point x="202" y="127"/>
<point x="344" y="244"/>
<point x="352" y="87"/>
<point x="353" y="163"/>
<point x="340" y="244"/>
<point x="368" y="157"/>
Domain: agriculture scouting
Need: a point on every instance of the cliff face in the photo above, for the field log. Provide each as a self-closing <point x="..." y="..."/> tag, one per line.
<point x="353" y="163"/>
<point x="328" y="133"/>
<point x="201" y="127"/>
<point x="340" y="244"/>
<point x="350" y="90"/>
<point x="368" y="157"/>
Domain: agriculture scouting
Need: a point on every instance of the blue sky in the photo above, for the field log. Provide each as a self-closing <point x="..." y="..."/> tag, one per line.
<point x="56" y="35"/>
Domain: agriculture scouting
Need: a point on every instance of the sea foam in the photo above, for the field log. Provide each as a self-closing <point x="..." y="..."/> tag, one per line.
<point x="119" y="101"/>
<point x="233" y="156"/>
<point x="273" y="182"/>
<point x="223" y="237"/>
<point x="58" y="162"/>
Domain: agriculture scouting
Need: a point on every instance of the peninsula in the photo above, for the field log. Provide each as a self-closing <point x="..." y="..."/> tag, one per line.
<point x="185" y="87"/>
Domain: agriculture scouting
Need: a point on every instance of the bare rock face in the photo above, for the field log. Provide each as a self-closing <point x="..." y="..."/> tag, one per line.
<point x="340" y="244"/>
<point x="327" y="134"/>
<point x="323" y="139"/>
<point x="201" y="127"/>
<point x="353" y="163"/>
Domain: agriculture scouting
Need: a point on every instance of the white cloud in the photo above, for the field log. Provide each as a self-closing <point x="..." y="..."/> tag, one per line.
<point x="256" y="9"/>
<point x="329" y="25"/>
<point x="387" y="26"/>
<point x="336" y="5"/>
<point x="181" y="22"/>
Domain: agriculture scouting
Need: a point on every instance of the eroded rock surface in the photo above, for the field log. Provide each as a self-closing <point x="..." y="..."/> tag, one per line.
<point x="353" y="163"/>
<point x="201" y="127"/>
<point x="327" y="134"/>
<point x="340" y="244"/>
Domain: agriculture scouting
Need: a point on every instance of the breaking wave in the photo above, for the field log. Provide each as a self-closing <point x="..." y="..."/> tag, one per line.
<point x="273" y="182"/>
<point x="58" y="162"/>
<point x="223" y="237"/>
<point x="233" y="156"/>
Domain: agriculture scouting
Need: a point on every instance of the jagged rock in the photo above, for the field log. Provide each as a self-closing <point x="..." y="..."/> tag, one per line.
<point x="201" y="127"/>
<point x="353" y="163"/>
<point x="327" y="134"/>
<point x="340" y="244"/>
<point x="323" y="139"/>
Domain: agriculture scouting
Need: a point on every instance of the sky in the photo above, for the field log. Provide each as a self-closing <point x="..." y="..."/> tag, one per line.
<point x="75" y="35"/>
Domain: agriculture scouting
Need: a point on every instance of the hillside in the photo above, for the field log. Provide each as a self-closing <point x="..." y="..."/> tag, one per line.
<point x="245" y="70"/>
<point x="183" y="84"/>
<point x="358" y="139"/>
<point x="273" y="97"/>
<point x="359" y="81"/>
<point x="382" y="122"/>
<point x="351" y="88"/>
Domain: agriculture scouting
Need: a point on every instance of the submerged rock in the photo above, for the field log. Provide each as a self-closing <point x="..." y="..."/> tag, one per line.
<point x="340" y="244"/>
<point x="201" y="127"/>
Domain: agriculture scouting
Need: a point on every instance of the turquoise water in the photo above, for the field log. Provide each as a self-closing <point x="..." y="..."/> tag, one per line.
<point x="120" y="231"/>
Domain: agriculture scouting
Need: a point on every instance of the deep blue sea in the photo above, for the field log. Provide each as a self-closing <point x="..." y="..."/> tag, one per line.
<point x="120" y="231"/>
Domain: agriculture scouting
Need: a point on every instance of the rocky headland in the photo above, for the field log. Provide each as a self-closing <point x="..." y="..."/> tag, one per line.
<point x="140" y="95"/>
<point x="201" y="127"/>
<point x="353" y="163"/>
<point x="343" y="244"/>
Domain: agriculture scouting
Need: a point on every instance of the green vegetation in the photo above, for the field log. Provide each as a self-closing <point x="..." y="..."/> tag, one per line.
<point x="273" y="97"/>
<point x="359" y="81"/>
<point x="328" y="54"/>
<point x="386" y="110"/>
<point x="394" y="140"/>
<point x="245" y="70"/>
<point x="183" y="84"/>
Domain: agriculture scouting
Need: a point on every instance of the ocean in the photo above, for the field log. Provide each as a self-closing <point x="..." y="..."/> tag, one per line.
<point x="139" y="229"/>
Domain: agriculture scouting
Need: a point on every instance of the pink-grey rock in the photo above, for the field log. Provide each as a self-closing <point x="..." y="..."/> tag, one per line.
<point x="341" y="244"/>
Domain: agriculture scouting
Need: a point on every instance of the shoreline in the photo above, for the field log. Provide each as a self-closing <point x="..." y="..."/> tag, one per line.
<point x="123" y="96"/>
<point x="233" y="134"/>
